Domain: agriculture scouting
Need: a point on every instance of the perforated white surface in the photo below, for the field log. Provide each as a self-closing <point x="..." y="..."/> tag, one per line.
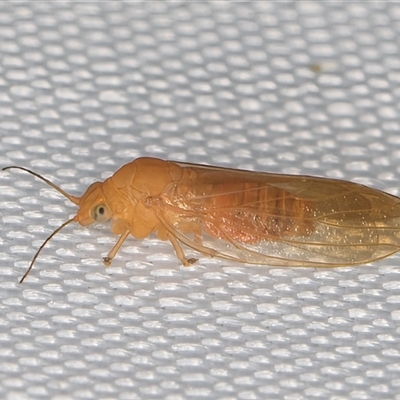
<point x="302" y="87"/>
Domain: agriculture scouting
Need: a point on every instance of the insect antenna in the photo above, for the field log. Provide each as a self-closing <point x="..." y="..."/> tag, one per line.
<point x="44" y="244"/>
<point x="73" y="199"/>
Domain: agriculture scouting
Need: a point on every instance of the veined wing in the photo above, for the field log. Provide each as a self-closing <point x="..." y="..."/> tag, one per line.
<point x="280" y="219"/>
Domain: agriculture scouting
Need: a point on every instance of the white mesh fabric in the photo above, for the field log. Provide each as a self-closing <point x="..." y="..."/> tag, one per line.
<point x="305" y="87"/>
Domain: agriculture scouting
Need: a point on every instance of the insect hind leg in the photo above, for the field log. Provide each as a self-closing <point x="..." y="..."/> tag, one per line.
<point x="180" y="253"/>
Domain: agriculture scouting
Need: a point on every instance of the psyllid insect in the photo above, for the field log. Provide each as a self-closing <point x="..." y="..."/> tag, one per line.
<point x="251" y="217"/>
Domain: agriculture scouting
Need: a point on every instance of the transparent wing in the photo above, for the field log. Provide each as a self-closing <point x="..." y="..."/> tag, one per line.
<point x="280" y="219"/>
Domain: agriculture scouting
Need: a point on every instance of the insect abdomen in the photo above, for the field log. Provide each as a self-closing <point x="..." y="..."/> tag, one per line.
<point x="248" y="212"/>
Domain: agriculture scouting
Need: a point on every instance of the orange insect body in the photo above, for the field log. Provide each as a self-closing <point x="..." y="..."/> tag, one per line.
<point x="240" y="215"/>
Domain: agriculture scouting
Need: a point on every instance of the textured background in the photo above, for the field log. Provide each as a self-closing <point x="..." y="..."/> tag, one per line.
<point x="301" y="87"/>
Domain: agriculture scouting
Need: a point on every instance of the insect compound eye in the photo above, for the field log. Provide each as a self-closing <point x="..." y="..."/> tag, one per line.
<point x="100" y="213"/>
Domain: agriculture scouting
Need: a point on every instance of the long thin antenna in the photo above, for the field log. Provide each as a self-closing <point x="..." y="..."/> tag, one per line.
<point x="44" y="244"/>
<point x="74" y="199"/>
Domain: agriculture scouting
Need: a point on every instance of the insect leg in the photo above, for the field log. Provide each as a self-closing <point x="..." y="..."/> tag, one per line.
<point x="179" y="252"/>
<point x="107" y="260"/>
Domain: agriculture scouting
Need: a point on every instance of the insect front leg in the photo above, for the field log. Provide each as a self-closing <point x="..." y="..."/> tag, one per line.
<point x="107" y="260"/>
